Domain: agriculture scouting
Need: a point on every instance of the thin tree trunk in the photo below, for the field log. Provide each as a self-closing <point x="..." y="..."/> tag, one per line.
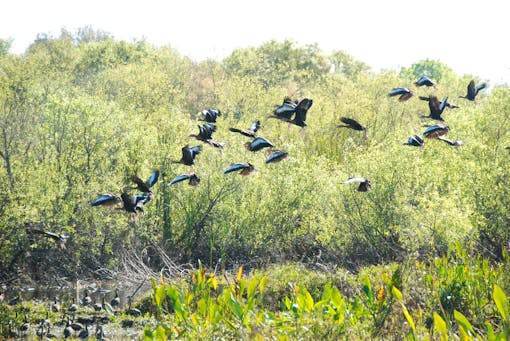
<point x="7" y="158"/>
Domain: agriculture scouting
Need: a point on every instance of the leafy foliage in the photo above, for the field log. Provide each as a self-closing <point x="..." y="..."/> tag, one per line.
<point x="81" y="113"/>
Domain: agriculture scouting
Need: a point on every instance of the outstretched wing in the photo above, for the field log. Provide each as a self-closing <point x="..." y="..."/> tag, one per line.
<point x="153" y="178"/>
<point x="236" y="167"/>
<point x="398" y="91"/>
<point x="105" y="200"/>
<point x="258" y="143"/>
<point x="179" y="178"/>
<point x="352" y="123"/>
<point x="276" y="156"/>
<point x="480" y="87"/>
<point x="354" y="180"/>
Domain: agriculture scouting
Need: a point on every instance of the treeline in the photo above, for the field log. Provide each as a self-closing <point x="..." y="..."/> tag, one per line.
<point x="82" y="112"/>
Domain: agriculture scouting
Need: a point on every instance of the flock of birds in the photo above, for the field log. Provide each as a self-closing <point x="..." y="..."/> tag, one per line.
<point x="293" y="112"/>
<point x="436" y="107"/>
<point x="72" y="326"/>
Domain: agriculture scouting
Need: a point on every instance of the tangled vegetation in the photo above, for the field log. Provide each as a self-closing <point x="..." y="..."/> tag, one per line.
<point x="81" y="113"/>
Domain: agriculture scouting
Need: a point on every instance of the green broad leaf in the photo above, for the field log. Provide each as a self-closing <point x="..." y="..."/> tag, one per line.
<point x="337" y="298"/>
<point x="213" y="282"/>
<point x="464" y="336"/>
<point x="252" y="286"/>
<point x="440" y="327"/>
<point x="500" y="299"/>
<point x="287" y="303"/>
<point x="239" y="274"/>
<point x="202" y="307"/>
<point x="396" y="293"/>
<point x="308" y="300"/>
<point x="409" y="318"/>
<point x="262" y="285"/>
<point x="148" y="335"/>
<point x="367" y="287"/>
<point x="159" y="295"/>
<point x="464" y="324"/>
<point x="236" y="307"/>
<point x="160" y="333"/>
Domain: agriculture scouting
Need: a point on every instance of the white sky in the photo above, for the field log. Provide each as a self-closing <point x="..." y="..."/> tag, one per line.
<point x="470" y="36"/>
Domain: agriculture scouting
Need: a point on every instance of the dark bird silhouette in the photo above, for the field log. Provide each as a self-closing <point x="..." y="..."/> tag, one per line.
<point x="276" y="156"/>
<point x="55" y="307"/>
<point x="96" y="306"/>
<point x="454" y="143"/>
<point x="245" y="168"/>
<point x="61" y="239"/>
<point x="436" y="107"/>
<point x="205" y="132"/>
<point x="73" y="307"/>
<point x="145" y="186"/>
<point x="188" y="155"/>
<point x="68" y="331"/>
<point x="107" y="307"/>
<point x="194" y="180"/>
<point x="301" y="110"/>
<point x="84" y="333"/>
<point x="133" y="204"/>
<point x="285" y="110"/>
<point x="472" y="90"/>
<point x="115" y="302"/>
<point x="364" y="186"/>
<point x="258" y="143"/>
<point x="86" y="300"/>
<point x="205" y="135"/>
<point x="425" y="81"/>
<point x="433" y="132"/>
<point x="404" y="93"/>
<point x="289" y="107"/>
<point x="415" y="140"/>
<point x="209" y="115"/>
<point x="248" y="132"/>
<point x="107" y="199"/>
<point x="353" y="124"/>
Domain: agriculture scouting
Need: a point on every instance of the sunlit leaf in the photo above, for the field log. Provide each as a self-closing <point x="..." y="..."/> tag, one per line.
<point x="500" y="299"/>
<point x="440" y="326"/>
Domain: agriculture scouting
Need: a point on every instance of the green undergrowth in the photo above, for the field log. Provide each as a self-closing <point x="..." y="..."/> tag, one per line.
<point x="454" y="296"/>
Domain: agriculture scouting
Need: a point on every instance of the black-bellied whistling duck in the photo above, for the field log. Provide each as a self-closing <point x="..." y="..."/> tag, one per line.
<point x="248" y="132"/>
<point x="433" y="132"/>
<point x="188" y="155"/>
<point x="258" y="143"/>
<point x="404" y="93"/>
<point x="472" y="90"/>
<point x="353" y="124"/>
<point x="209" y="115"/>
<point x="245" y="168"/>
<point x="194" y="180"/>
<point x="276" y="156"/>
<point x="425" y="81"/>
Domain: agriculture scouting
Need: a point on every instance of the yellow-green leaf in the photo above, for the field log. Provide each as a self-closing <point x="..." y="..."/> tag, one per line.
<point x="396" y="293"/>
<point x="239" y="274"/>
<point x="500" y="299"/>
<point x="440" y="326"/>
